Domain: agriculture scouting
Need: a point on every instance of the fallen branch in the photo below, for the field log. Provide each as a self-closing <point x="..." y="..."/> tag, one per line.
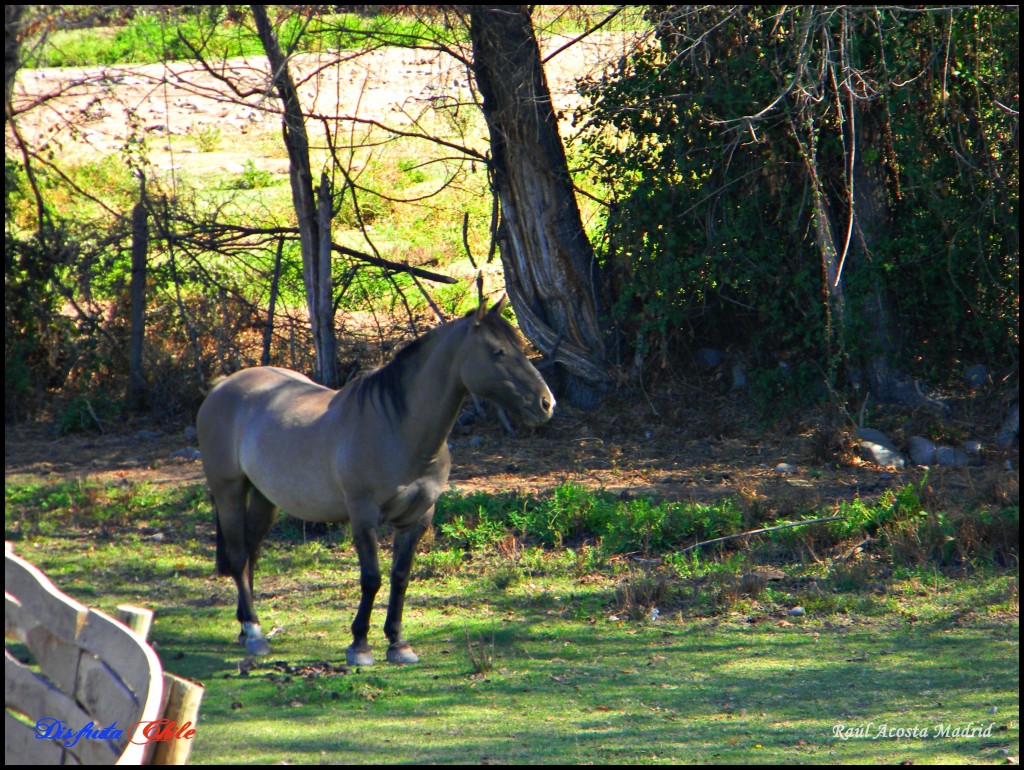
<point x="396" y="267"/>
<point x="761" y="531"/>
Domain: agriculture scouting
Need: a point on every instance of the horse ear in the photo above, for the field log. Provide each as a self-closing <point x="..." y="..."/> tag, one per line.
<point x="499" y="307"/>
<point x="481" y="312"/>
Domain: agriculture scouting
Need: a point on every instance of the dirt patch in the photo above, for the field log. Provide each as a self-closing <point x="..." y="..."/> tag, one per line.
<point x="692" y="453"/>
<point x="124" y="455"/>
<point x="81" y="111"/>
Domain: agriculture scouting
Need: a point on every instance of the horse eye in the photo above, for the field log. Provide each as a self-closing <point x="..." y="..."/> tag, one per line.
<point x="498" y="352"/>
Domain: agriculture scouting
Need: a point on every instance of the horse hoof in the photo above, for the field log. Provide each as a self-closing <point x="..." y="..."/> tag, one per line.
<point x="362" y="656"/>
<point x="257" y="647"/>
<point x="402" y="655"/>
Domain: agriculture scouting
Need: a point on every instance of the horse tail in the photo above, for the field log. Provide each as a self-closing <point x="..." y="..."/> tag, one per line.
<point x="222" y="554"/>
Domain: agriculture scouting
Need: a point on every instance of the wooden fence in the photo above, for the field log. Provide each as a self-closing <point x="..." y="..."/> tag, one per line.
<point x="87" y="672"/>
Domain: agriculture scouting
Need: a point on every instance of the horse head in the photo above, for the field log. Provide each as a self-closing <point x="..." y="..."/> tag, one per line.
<point x="495" y="367"/>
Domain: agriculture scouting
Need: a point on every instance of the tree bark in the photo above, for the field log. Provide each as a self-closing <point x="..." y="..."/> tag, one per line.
<point x="327" y="347"/>
<point x="871" y="219"/>
<point x="550" y="272"/>
<point x="268" y="329"/>
<point x="293" y="126"/>
<point x="137" y="298"/>
<point x="12" y="52"/>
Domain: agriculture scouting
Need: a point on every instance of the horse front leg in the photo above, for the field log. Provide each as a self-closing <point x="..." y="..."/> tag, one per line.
<point x="404" y="550"/>
<point x="365" y="537"/>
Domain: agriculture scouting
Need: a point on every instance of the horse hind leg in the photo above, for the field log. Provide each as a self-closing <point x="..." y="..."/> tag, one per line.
<point x="260" y="517"/>
<point x="244" y="516"/>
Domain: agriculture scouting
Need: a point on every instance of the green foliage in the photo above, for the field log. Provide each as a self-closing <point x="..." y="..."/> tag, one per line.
<point x="475" y="536"/>
<point x="695" y="566"/>
<point x="778" y="390"/>
<point x="150" y="34"/>
<point x="894" y="507"/>
<point x="590" y="527"/>
<point x="85" y="415"/>
<point x="572" y="511"/>
<point x="208" y="138"/>
<point x="710" y="145"/>
<point x="916" y="535"/>
<point x="39" y="342"/>
<point x="412" y="172"/>
<point x="641" y="525"/>
<point x="250" y="178"/>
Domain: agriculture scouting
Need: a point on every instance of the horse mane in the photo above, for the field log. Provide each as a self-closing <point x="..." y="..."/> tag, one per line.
<point x="385" y="383"/>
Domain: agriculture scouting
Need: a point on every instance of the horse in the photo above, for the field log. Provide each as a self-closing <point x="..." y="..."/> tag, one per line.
<point x="375" y="451"/>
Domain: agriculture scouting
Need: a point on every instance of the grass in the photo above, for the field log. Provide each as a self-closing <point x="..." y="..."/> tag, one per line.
<point x="152" y="36"/>
<point x="80" y="36"/>
<point x="537" y="653"/>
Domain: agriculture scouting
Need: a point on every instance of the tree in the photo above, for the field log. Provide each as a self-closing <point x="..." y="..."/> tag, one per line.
<point x="75" y="257"/>
<point x="830" y="183"/>
<point x="12" y="49"/>
<point x="314" y="225"/>
<point x="550" y="271"/>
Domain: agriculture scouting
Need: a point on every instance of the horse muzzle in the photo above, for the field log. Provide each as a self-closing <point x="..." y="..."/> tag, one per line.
<point x="539" y="411"/>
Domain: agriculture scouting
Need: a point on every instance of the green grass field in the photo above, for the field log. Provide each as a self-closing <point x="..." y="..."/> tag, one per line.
<point x="540" y="654"/>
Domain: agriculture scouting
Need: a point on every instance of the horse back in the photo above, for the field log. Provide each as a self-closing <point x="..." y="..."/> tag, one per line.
<point x="262" y="412"/>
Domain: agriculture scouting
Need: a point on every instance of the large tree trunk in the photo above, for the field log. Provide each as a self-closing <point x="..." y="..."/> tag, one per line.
<point x="851" y="252"/>
<point x="315" y="260"/>
<point x="872" y="217"/>
<point x="550" y="272"/>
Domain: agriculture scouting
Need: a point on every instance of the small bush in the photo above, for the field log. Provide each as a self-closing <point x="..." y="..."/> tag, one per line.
<point x="642" y="591"/>
<point x="476" y="536"/>
<point x="207" y="139"/>
<point x="250" y="178"/>
<point x="440" y="563"/>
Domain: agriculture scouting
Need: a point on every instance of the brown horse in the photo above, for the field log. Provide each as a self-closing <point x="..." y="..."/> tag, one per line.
<point x="374" y="451"/>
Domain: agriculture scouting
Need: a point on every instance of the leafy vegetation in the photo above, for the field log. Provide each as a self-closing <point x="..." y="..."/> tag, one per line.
<point x="733" y="149"/>
<point x="573" y="531"/>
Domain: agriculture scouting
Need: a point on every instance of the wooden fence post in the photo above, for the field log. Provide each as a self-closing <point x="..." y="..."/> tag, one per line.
<point x="138" y="619"/>
<point x="137" y="293"/>
<point x="181" y="698"/>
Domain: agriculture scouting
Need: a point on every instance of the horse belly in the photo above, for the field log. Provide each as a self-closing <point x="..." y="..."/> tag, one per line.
<point x="308" y="508"/>
<point x="303" y="491"/>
